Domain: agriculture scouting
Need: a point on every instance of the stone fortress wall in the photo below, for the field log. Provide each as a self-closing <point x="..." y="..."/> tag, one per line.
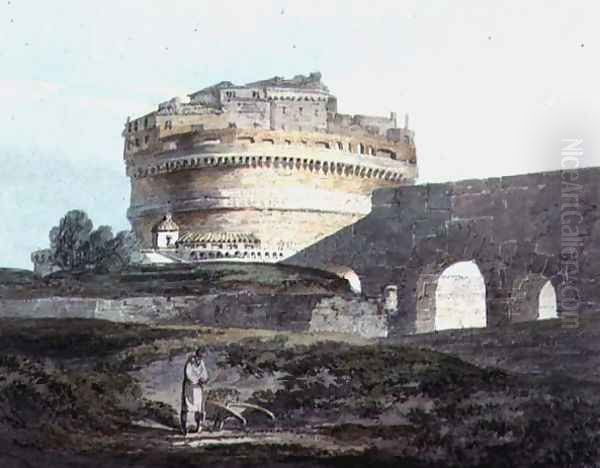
<point x="301" y="313"/>
<point x="514" y="228"/>
<point x="272" y="158"/>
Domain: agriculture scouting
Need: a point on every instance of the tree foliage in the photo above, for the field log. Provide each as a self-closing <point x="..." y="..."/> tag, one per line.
<point x="76" y="245"/>
<point x="69" y="239"/>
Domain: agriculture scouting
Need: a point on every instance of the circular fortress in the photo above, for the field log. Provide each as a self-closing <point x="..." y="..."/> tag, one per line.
<point x="256" y="172"/>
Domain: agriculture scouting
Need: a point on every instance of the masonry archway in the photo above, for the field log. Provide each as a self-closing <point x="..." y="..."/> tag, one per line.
<point x="452" y="297"/>
<point x="533" y="297"/>
<point x="460" y="297"/>
<point x="547" y="308"/>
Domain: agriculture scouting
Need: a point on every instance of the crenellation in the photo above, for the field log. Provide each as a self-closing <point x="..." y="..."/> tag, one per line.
<point x="302" y="104"/>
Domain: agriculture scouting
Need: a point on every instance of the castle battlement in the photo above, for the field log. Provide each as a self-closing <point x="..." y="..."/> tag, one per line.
<point x="272" y="158"/>
<point x="302" y="104"/>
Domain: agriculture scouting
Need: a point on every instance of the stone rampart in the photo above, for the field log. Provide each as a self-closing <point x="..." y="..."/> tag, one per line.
<point x="269" y="311"/>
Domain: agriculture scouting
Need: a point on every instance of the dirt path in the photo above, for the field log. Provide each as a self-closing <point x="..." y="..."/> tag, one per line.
<point x="169" y="439"/>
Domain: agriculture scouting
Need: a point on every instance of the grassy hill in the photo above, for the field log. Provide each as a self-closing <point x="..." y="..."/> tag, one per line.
<point x="71" y="394"/>
<point x="172" y="280"/>
<point x="545" y="348"/>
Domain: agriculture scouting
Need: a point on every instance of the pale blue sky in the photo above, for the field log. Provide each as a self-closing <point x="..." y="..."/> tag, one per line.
<point x="491" y="87"/>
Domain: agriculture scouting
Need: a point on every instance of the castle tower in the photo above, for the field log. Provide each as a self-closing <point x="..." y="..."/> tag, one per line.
<point x="272" y="160"/>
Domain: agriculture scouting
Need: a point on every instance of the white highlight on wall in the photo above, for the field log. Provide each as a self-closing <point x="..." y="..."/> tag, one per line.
<point x="547" y="302"/>
<point x="460" y="297"/>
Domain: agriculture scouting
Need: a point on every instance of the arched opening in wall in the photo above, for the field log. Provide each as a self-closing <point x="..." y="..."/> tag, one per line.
<point x="532" y="297"/>
<point x="348" y="274"/>
<point x="460" y="297"/>
<point x="547" y="302"/>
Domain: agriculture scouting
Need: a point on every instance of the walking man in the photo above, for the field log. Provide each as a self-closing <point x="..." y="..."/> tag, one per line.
<point x="195" y="378"/>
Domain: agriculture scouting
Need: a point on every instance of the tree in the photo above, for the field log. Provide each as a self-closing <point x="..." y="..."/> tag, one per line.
<point x="98" y="243"/>
<point x="76" y="246"/>
<point x="117" y="252"/>
<point x="69" y="238"/>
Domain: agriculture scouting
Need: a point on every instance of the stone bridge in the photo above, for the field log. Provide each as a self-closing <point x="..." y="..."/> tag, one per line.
<point x="521" y="231"/>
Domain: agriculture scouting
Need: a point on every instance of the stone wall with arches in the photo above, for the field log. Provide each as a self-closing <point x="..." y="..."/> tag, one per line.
<point x="512" y="227"/>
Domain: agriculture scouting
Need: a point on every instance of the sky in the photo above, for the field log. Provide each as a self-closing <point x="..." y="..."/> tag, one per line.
<point x="491" y="87"/>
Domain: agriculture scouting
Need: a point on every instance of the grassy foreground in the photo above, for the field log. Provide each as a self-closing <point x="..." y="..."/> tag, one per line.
<point x="68" y="397"/>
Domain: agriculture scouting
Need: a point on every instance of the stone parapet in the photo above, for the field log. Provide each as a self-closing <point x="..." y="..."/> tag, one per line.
<point x="325" y="164"/>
